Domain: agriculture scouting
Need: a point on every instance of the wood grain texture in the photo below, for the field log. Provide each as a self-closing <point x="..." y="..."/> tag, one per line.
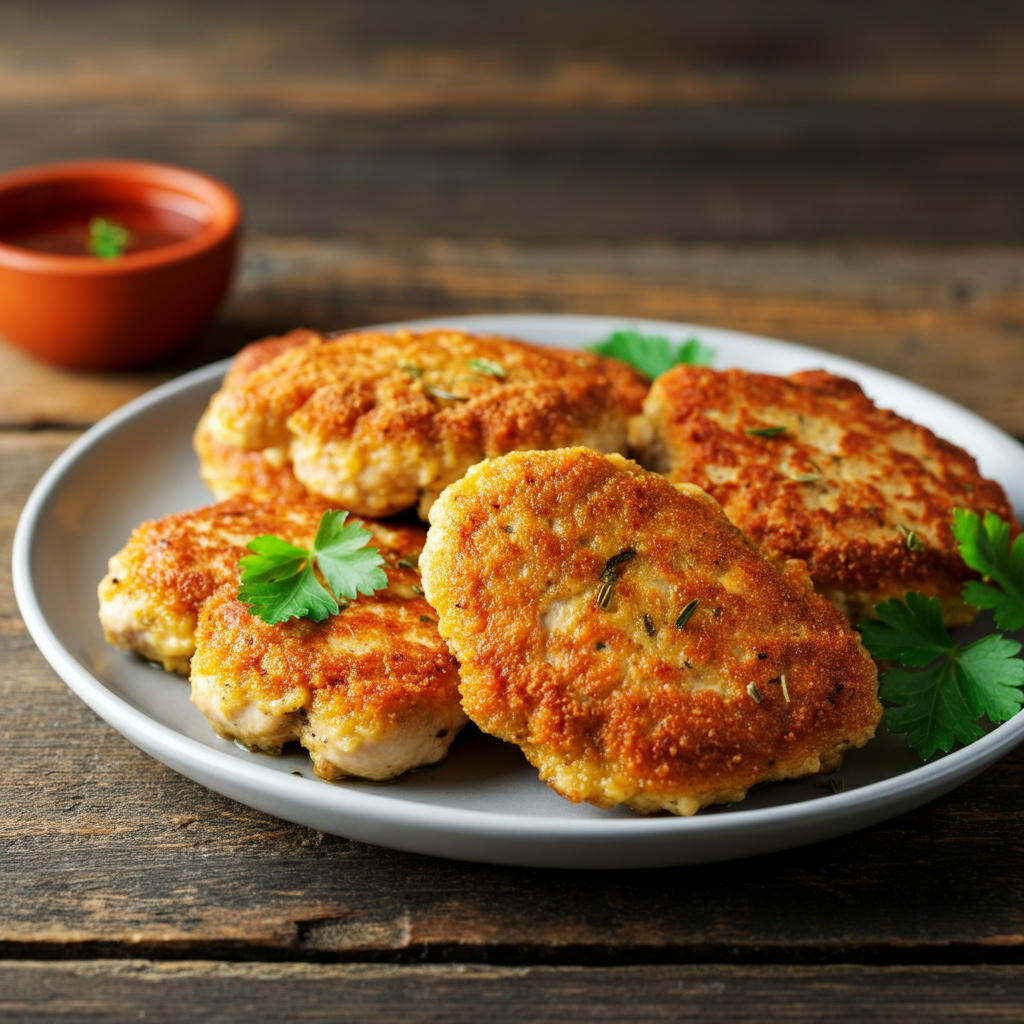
<point x="891" y="122"/>
<point x="765" y="173"/>
<point x="108" y="853"/>
<point x="169" y="992"/>
<point x="397" y="54"/>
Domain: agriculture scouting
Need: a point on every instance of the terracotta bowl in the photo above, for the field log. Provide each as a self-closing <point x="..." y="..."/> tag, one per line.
<point x="73" y="309"/>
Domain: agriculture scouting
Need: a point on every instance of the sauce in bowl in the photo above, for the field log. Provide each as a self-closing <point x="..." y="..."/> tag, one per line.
<point x="116" y="302"/>
<point x="64" y="229"/>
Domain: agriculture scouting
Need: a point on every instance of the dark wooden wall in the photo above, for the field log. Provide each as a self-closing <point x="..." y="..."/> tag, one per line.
<point x="603" y="122"/>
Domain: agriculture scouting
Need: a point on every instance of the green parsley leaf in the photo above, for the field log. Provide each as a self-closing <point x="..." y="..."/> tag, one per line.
<point x="342" y="555"/>
<point x="300" y="595"/>
<point x="941" y="703"/>
<point x="278" y="581"/>
<point x="651" y="353"/>
<point x="985" y="547"/>
<point x="108" y="239"/>
<point x="911" y="632"/>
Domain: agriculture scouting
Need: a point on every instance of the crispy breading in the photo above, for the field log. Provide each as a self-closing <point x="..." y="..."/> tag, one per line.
<point x="155" y="585"/>
<point x="371" y="691"/>
<point x="229" y="470"/>
<point x="378" y="422"/>
<point x="862" y="495"/>
<point x="561" y="580"/>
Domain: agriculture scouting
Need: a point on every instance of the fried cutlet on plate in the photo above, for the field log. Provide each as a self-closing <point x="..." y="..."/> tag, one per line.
<point x="229" y="470"/>
<point x="369" y="692"/>
<point x="808" y="467"/>
<point x="630" y="639"/>
<point x="378" y="422"/>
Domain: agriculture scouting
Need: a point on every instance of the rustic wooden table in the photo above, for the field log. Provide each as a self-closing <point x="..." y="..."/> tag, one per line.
<point x="849" y="176"/>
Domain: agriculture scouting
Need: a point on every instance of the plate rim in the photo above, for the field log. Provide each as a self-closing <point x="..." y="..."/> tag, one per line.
<point x="872" y="802"/>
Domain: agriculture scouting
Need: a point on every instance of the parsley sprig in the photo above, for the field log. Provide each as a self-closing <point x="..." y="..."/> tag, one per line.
<point x="651" y="353"/>
<point x="985" y="547"/>
<point x="279" y="582"/>
<point x="953" y="686"/>
<point x="108" y="239"/>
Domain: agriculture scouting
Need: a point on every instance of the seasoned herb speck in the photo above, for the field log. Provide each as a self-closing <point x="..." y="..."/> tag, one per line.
<point x="684" y="615"/>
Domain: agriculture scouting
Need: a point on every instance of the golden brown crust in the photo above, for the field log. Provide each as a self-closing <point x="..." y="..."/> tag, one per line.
<point x="377" y="676"/>
<point x="259" y="353"/>
<point x="229" y="471"/>
<point x="155" y="585"/>
<point x="378" y="422"/>
<point x="617" y="704"/>
<point x="862" y="495"/>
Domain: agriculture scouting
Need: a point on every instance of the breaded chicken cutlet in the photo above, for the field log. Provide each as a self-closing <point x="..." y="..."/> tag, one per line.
<point x="808" y="467"/>
<point x="229" y="470"/>
<point x="369" y="692"/>
<point x="378" y="422"/>
<point x="631" y="641"/>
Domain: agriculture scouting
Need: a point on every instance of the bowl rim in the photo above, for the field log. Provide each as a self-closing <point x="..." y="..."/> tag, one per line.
<point x="224" y="206"/>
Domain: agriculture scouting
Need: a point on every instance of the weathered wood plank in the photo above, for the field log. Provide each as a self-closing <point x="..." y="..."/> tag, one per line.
<point x="136" y="990"/>
<point x="811" y="173"/>
<point x="950" y="320"/>
<point x="23" y="458"/>
<point x="107" y="853"/>
<point x="363" y="55"/>
<point x="523" y="121"/>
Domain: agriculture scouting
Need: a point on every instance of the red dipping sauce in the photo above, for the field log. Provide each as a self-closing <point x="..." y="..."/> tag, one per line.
<point x="70" y="307"/>
<point x="64" y="230"/>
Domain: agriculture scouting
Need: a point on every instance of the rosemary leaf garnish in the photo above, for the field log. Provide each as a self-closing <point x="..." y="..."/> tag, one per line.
<point x="785" y="689"/>
<point x="684" y="615"/>
<point x="910" y="538"/>
<point x="837" y="784"/>
<point x="604" y="595"/>
<point x="441" y="393"/>
<point x="766" y="431"/>
<point x="649" y="624"/>
<point x="807" y="478"/>
<point x="426" y="618"/>
<point x="608" y="574"/>
<point x="413" y="370"/>
<point x="409" y="563"/>
<point x="755" y="693"/>
<point x="417" y="590"/>
<point x="486" y="366"/>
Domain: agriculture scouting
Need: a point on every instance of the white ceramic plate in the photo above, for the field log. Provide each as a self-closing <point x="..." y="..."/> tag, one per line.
<point x="484" y="802"/>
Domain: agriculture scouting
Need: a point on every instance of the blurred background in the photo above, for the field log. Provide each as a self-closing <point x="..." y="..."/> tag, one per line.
<point x="846" y="175"/>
